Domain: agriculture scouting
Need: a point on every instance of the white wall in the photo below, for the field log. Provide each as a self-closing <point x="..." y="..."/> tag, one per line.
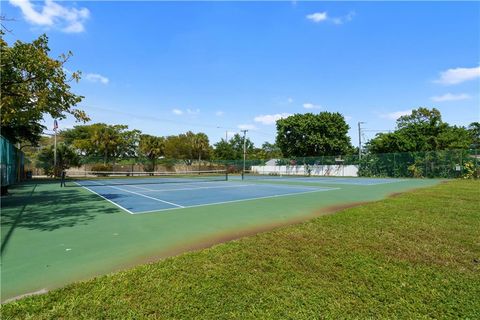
<point x="316" y="170"/>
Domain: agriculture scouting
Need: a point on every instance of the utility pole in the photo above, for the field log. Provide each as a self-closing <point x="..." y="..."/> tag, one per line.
<point x="360" y="140"/>
<point x="55" y="127"/>
<point x="226" y="133"/>
<point x="244" y="150"/>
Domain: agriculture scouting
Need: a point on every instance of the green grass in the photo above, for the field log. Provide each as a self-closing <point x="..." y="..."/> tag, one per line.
<point x="416" y="255"/>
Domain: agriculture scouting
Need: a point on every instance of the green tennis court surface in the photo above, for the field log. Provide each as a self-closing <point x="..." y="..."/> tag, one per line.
<point x="53" y="236"/>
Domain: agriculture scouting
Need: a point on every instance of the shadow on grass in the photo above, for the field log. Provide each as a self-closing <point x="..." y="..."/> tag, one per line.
<point x="48" y="210"/>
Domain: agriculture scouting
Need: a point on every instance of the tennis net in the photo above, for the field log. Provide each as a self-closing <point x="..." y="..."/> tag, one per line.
<point x="108" y="178"/>
<point x="251" y="174"/>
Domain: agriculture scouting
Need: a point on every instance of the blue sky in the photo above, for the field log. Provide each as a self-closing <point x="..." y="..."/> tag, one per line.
<point x="169" y="67"/>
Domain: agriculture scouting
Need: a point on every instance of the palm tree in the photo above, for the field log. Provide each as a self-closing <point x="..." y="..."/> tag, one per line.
<point x="200" y="145"/>
<point x="106" y="140"/>
<point x="152" y="148"/>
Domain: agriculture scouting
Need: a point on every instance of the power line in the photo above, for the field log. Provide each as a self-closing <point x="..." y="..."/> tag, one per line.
<point x="170" y="121"/>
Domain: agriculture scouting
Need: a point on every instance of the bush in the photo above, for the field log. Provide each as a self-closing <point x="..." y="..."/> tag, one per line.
<point x="102" y="168"/>
<point x="470" y="171"/>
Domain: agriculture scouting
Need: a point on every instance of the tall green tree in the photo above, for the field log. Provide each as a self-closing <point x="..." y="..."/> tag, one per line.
<point x="474" y="129"/>
<point x="152" y="148"/>
<point x="270" y="151"/>
<point x="34" y="85"/>
<point x="188" y="147"/>
<point x="105" y="140"/>
<point x="200" y="146"/>
<point x="311" y="134"/>
<point x="223" y="150"/>
<point x="66" y="158"/>
<point x="237" y="142"/>
<point x="422" y="130"/>
<point x="108" y="142"/>
<point x="233" y="148"/>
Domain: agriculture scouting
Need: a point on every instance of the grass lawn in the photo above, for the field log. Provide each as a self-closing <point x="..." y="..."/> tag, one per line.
<point x="416" y="255"/>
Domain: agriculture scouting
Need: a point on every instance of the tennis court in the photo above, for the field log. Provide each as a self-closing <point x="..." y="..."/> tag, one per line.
<point x="138" y="193"/>
<point x="153" y="197"/>
<point x="99" y="223"/>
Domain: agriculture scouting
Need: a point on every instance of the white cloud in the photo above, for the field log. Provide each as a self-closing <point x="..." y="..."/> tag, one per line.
<point x="342" y="20"/>
<point x="450" y="97"/>
<point x="317" y="16"/>
<point x="290" y="100"/>
<point x="323" y="16"/>
<point x="94" y="77"/>
<point x="458" y="75"/>
<point x="246" y="126"/>
<point x="188" y="111"/>
<point x="219" y="113"/>
<point x="348" y="118"/>
<point x="311" y="106"/>
<point x="193" y="112"/>
<point x="70" y="20"/>
<point x="395" y="115"/>
<point x="270" y="118"/>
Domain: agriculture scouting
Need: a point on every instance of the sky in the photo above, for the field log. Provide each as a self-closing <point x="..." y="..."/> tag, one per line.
<point x="219" y="67"/>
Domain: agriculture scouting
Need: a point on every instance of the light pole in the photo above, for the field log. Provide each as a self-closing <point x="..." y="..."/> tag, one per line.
<point x="360" y="140"/>
<point x="55" y="127"/>
<point x="226" y="133"/>
<point x="244" y="151"/>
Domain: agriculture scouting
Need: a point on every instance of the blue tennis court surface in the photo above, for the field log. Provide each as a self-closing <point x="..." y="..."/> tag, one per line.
<point x="143" y="198"/>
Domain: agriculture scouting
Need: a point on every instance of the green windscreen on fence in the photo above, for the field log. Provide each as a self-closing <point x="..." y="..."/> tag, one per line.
<point x="11" y="163"/>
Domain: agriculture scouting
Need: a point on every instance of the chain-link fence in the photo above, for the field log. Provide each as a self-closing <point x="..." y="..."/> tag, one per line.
<point x="11" y="163"/>
<point x="431" y="164"/>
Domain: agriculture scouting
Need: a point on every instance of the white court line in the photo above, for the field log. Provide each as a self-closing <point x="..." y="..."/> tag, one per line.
<point x="142" y="195"/>
<point x="114" y="203"/>
<point x="240" y="200"/>
<point x="216" y="187"/>
<point x="141" y="188"/>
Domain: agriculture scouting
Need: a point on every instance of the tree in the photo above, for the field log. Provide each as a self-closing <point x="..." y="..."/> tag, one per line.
<point x="233" y="148"/>
<point x="271" y="150"/>
<point x="200" y="146"/>
<point x="311" y="134"/>
<point x="223" y="150"/>
<point x="152" y="148"/>
<point x="422" y="130"/>
<point x="34" y="85"/>
<point x="237" y="145"/>
<point x="474" y="129"/>
<point x="129" y="142"/>
<point x="187" y="146"/>
<point x="103" y="140"/>
<point x="66" y="158"/>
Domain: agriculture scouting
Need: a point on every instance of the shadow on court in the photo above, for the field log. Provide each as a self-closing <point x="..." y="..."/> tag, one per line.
<point x="46" y="210"/>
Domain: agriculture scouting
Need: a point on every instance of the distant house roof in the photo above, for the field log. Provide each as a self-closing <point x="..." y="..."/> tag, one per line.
<point x="271" y="162"/>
